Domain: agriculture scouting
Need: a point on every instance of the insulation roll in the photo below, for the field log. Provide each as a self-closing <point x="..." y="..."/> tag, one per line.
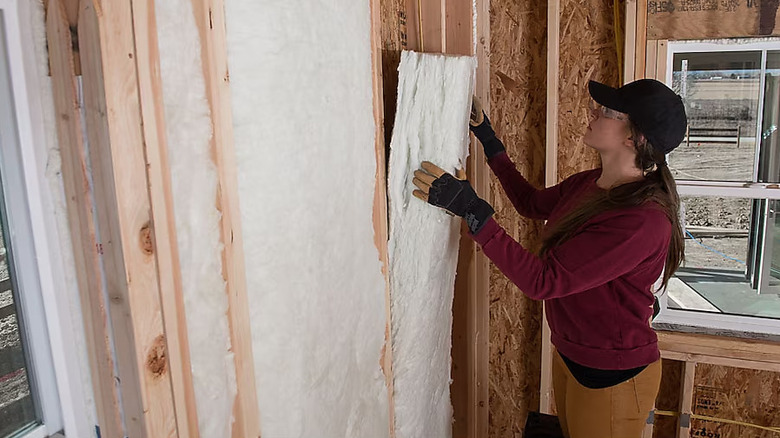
<point x="431" y="124"/>
<point x="302" y="102"/>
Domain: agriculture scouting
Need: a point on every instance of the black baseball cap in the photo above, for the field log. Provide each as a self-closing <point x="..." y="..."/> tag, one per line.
<point x="653" y="107"/>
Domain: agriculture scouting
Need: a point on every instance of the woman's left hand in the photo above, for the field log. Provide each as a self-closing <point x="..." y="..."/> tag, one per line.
<point x="443" y="190"/>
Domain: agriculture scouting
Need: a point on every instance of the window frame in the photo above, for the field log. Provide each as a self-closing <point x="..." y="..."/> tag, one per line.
<point x="56" y="372"/>
<point x="709" y="320"/>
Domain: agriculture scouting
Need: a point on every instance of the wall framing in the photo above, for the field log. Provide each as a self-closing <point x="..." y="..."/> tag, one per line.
<point x="117" y="57"/>
<point x="210" y="20"/>
<point x="446" y="27"/>
<point x="82" y="227"/>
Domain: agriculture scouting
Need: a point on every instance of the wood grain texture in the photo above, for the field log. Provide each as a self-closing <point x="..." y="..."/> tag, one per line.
<point x="394" y="33"/>
<point x="588" y="52"/>
<point x="735" y="379"/>
<point x="518" y="82"/>
<point x="699" y="19"/>
<point x="80" y="214"/>
<point x="166" y="248"/>
<point x="125" y="222"/>
<point x="686" y="399"/>
<point x="430" y="14"/>
<point x="749" y="396"/>
<point x="761" y="353"/>
<point x="210" y="20"/>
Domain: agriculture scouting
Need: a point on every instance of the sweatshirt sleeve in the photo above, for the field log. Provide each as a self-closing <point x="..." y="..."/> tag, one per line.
<point x="603" y="251"/>
<point x="527" y="199"/>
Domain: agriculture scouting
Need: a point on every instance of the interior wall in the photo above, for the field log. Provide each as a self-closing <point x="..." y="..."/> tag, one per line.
<point x="302" y="104"/>
<point x="518" y="82"/>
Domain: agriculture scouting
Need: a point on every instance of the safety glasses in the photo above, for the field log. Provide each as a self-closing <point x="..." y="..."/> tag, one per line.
<point x="602" y="111"/>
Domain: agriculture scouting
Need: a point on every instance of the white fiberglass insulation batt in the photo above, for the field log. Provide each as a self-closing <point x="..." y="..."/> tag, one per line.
<point x="431" y="124"/>
<point x="302" y="103"/>
<point x="194" y="185"/>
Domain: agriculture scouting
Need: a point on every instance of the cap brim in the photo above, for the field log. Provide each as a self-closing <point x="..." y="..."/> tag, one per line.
<point x="606" y="95"/>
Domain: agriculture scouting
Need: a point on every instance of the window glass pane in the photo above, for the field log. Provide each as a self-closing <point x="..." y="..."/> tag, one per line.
<point x="721" y="92"/>
<point x="769" y="169"/>
<point x="16" y="405"/>
<point x="17" y="408"/>
<point x="727" y="243"/>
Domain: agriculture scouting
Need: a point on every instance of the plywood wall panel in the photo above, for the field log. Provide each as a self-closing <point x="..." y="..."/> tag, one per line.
<point x="748" y="396"/>
<point x="518" y="37"/>
<point x="698" y="19"/>
<point x="587" y="51"/>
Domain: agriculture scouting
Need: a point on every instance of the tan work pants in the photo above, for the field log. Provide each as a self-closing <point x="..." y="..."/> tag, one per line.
<point x="619" y="411"/>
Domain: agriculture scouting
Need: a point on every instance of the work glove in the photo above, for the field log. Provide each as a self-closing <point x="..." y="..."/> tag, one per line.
<point x="441" y="189"/>
<point x="479" y="124"/>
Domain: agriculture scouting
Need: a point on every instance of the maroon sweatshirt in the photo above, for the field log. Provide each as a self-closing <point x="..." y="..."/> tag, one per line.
<point x="596" y="286"/>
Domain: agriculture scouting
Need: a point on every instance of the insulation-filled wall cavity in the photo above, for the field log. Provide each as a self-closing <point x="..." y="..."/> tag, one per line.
<point x="431" y="124"/>
<point x="194" y="187"/>
<point x="302" y="104"/>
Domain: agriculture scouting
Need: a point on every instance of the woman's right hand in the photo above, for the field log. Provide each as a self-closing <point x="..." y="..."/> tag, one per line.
<point x="479" y="124"/>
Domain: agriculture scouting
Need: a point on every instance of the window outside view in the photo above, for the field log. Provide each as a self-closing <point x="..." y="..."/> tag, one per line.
<point x="17" y="409"/>
<point x="16" y="405"/>
<point x="732" y="244"/>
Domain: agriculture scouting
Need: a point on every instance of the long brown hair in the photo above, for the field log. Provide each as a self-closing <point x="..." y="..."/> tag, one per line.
<point x="658" y="185"/>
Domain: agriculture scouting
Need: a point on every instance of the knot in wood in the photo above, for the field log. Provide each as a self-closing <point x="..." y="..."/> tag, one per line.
<point x="157" y="358"/>
<point x="147" y="243"/>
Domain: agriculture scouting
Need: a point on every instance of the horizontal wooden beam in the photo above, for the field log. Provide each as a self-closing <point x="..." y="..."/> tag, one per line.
<point x="737" y="352"/>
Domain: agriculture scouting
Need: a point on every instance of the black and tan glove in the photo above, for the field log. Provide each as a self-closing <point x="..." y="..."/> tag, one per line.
<point x="441" y="189"/>
<point x="480" y="126"/>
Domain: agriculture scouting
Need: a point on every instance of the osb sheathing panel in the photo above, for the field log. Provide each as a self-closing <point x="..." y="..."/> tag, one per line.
<point x="748" y="396"/>
<point x="668" y="398"/>
<point x="518" y="41"/>
<point x="698" y="19"/>
<point x="587" y="51"/>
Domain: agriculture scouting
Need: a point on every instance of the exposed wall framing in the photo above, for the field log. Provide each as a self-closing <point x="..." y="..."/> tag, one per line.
<point x="126" y="132"/>
<point x="62" y="63"/>
<point x="210" y="20"/>
<point x="716" y="386"/>
<point x="446" y="27"/>
<point x="127" y="226"/>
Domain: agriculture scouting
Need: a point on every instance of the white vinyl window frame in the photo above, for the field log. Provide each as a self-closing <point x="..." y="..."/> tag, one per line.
<point x="55" y="372"/>
<point x="708" y="320"/>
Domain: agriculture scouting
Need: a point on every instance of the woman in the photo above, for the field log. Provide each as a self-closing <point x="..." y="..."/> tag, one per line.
<point x="610" y="233"/>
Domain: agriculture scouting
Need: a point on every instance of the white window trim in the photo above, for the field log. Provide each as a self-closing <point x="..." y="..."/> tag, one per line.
<point x="710" y="320"/>
<point x="56" y="362"/>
